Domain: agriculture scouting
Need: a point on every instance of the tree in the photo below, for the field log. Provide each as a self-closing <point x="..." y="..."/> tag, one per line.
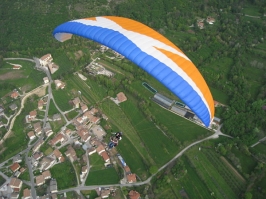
<point x="248" y="195"/>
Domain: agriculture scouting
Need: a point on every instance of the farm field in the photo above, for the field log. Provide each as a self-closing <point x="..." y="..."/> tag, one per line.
<point x="107" y="176"/>
<point x="158" y="145"/>
<point x="183" y="130"/>
<point x="218" y="177"/>
<point x="123" y="123"/>
<point x="64" y="181"/>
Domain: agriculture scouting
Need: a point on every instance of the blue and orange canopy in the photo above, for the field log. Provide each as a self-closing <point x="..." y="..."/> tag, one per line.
<point x="152" y="52"/>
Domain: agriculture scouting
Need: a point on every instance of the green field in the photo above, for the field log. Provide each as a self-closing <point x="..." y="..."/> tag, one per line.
<point x="64" y="181"/>
<point x="96" y="162"/>
<point x="62" y="98"/>
<point x="52" y="109"/>
<point x="70" y="115"/>
<point x="25" y="176"/>
<point x="102" y="177"/>
<point x="27" y="78"/>
<point x="160" y="147"/>
<point x="248" y="163"/>
<point x="218" y="178"/>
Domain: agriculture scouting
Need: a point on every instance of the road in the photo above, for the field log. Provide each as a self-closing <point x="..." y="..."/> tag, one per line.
<point x="261" y="140"/>
<point x="19" y="111"/>
<point x="147" y="181"/>
<point x="81" y="186"/>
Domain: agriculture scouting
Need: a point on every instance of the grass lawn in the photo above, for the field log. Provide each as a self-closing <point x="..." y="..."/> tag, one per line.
<point x="62" y="98"/>
<point x="89" y="193"/>
<point x="70" y="115"/>
<point x="56" y="125"/>
<point x="96" y="162"/>
<point x="25" y="176"/>
<point x="52" y="109"/>
<point x="59" y="172"/>
<point x="102" y="177"/>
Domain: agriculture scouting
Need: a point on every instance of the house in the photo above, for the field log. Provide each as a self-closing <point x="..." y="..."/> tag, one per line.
<point x="84" y="108"/>
<point x="53" y="67"/>
<point x="93" y="111"/>
<point x="17" y="159"/>
<point x="22" y="169"/>
<point x="58" y="138"/>
<point x="14" y="95"/>
<point x="216" y="121"/>
<point x="26" y="194"/>
<point x="14" y="195"/>
<point x="31" y="135"/>
<point x="57" y="154"/>
<point x="57" y="117"/>
<point x="39" y="180"/>
<point x="105" y="156"/>
<point x="37" y="155"/>
<point x="13" y="107"/>
<point x="59" y="84"/>
<point x="46" y="175"/>
<point x="105" y="193"/>
<point x="84" y="169"/>
<point x="40" y="104"/>
<point x="210" y="20"/>
<point x="80" y="120"/>
<point x="37" y="128"/>
<point x="134" y="195"/>
<point x="46" y="59"/>
<point x="53" y="186"/>
<point x="131" y="178"/>
<point x="200" y="24"/>
<point x="37" y="146"/>
<point x="121" y="97"/>
<point x="48" y="130"/>
<point x="100" y="149"/>
<point x="16" y="67"/>
<point x="32" y="115"/>
<point x="54" y="196"/>
<point x="46" y="163"/>
<point x="104" y="117"/>
<point x="91" y="151"/>
<point x="14" y="167"/>
<point x="127" y="170"/>
<point x="71" y="153"/>
<point x="46" y="80"/>
<point x="76" y="102"/>
<point x="15" y="183"/>
<point x="17" y="174"/>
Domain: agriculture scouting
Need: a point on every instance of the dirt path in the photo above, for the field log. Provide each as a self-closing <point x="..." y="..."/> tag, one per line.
<point x="233" y="169"/>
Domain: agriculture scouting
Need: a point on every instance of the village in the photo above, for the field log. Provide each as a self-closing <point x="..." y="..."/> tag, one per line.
<point x="85" y="134"/>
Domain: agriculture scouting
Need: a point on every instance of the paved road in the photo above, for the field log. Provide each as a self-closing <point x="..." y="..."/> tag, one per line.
<point x="82" y="187"/>
<point x="261" y="140"/>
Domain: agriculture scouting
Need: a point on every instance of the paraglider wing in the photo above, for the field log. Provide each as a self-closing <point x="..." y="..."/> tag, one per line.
<point x="150" y="51"/>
